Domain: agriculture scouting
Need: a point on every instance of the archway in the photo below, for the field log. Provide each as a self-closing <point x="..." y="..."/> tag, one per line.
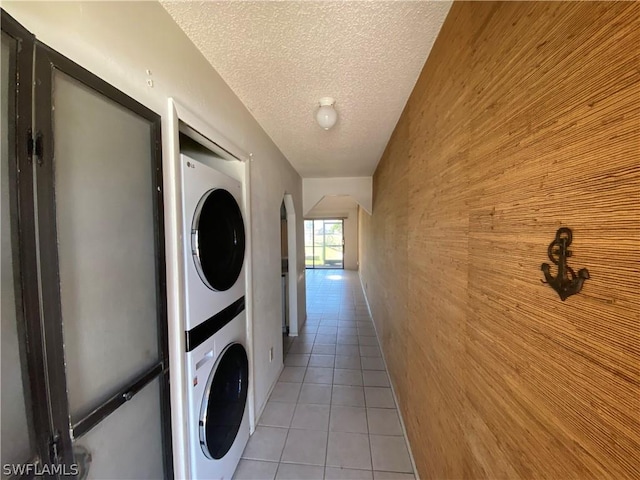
<point x="290" y="263"/>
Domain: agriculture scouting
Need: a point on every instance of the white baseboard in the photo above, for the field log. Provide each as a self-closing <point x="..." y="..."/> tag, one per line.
<point x="264" y="404"/>
<point x="393" y="390"/>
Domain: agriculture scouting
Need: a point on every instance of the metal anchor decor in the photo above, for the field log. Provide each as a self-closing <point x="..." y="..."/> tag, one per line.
<point x="566" y="282"/>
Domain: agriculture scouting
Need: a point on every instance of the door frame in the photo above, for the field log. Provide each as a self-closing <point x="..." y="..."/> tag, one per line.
<point x="24" y="243"/>
<point x="292" y="262"/>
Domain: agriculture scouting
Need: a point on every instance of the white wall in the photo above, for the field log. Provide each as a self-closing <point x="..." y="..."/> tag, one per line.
<point x="359" y="188"/>
<point x="119" y="42"/>
<point x="351" y="240"/>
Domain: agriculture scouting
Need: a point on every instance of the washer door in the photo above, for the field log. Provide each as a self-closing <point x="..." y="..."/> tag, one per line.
<point x="224" y="402"/>
<point x="217" y="239"/>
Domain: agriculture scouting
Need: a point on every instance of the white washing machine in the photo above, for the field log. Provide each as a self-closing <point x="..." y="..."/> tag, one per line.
<point x="218" y="370"/>
<point x="215" y="321"/>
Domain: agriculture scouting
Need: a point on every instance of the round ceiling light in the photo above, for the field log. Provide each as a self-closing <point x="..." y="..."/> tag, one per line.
<point x="326" y="116"/>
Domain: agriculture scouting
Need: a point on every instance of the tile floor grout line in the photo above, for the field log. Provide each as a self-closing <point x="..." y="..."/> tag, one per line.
<point x="349" y="309"/>
<point x="414" y="469"/>
<point x="326" y="453"/>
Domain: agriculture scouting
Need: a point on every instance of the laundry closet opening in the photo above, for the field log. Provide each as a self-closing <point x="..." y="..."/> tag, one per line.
<point x="216" y="358"/>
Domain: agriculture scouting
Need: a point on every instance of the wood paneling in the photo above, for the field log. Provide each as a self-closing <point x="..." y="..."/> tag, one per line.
<point x="526" y="118"/>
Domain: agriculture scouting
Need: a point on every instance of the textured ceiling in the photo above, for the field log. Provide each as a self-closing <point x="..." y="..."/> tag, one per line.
<point x="280" y="57"/>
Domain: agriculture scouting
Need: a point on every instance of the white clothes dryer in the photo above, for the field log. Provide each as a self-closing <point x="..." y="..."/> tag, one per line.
<point x="214" y="241"/>
<point x="218" y="371"/>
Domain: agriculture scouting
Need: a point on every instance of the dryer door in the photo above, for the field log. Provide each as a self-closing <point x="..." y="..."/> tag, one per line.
<point x="224" y="402"/>
<point x="217" y="239"/>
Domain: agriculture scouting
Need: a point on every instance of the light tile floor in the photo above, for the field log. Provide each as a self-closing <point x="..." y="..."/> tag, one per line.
<point x="331" y="415"/>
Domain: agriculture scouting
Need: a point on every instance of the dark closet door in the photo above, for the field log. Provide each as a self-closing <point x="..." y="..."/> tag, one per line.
<point x="22" y="429"/>
<point x="16" y="447"/>
<point x="99" y="199"/>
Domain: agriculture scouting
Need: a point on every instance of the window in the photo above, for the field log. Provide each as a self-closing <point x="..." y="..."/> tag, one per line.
<point x="324" y="243"/>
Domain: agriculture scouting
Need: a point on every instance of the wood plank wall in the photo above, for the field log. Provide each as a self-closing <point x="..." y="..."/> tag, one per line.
<point x="526" y="118"/>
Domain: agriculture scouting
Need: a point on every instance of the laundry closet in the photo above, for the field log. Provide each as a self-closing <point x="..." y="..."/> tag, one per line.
<point x="216" y="363"/>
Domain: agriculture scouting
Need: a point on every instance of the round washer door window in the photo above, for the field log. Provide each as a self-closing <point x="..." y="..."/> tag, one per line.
<point x="224" y="402"/>
<point x="217" y="239"/>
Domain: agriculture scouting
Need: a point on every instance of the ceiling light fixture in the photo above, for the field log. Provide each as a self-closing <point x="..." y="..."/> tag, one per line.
<point x="326" y="116"/>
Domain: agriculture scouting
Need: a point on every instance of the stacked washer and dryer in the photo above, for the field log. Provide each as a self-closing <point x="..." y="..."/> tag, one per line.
<point x="217" y="367"/>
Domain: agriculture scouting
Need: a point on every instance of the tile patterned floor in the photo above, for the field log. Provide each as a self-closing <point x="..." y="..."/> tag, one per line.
<point x="331" y="415"/>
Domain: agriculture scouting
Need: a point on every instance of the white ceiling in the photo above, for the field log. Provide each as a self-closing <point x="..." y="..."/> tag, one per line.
<point x="280" y="57"/>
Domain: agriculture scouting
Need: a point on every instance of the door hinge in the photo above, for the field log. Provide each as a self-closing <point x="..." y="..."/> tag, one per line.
<point x="34" y="146"/>
<point x="55" y="448"/>
<point x="30" y="144"/>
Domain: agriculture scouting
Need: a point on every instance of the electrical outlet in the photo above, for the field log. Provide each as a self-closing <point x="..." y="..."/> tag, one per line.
<point x="271" y="354"/>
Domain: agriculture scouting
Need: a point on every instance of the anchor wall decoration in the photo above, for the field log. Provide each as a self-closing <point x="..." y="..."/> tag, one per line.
<point x="566" y="282"/>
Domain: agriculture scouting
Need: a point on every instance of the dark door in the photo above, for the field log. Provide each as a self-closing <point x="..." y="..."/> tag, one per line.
<point x="100" y="225"/>
<point x="24" y="430"/>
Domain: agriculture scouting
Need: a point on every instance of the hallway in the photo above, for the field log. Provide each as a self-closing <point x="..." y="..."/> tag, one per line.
<point x="332" y="414"/>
